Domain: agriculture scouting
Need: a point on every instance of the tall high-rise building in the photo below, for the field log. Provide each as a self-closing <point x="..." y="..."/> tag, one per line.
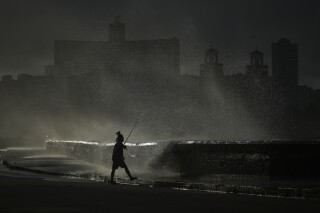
<point x="285" y="63"/>
<point x="285" y="67"/>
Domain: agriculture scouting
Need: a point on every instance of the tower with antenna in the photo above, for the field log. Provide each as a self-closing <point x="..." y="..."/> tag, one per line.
<point x="117" y="30"/>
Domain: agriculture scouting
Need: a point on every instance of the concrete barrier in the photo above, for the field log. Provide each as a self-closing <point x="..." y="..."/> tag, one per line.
<point x="276" y="159"/>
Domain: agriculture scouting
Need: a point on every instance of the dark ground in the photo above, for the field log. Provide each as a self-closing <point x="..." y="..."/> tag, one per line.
<point x="36" y="195"/>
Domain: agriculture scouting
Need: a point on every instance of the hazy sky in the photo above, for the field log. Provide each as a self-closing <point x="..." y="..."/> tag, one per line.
<point x="235" y="27"/>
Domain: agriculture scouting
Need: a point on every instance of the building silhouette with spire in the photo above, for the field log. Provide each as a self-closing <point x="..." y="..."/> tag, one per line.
<point x="117" y="31"/>
<point x="257" y="68"/>
<point x="211" y="69"/>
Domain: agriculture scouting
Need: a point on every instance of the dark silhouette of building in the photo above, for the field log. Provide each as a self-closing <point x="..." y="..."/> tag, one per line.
<point x="117" y="31"/>
<point x="151" y="57"/>
<point x="285" y="67"/>
<point x="211" y="73"/>
<point x="212" y="69"/>
<point x="257" y="68"/>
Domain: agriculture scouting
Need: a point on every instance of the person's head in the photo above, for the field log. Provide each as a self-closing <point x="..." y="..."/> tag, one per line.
<point x="118" y="133"/>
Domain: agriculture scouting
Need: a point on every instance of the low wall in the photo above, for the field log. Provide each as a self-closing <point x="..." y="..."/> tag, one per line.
<point x="137" y="154"/>
<point x="276" y="159"/>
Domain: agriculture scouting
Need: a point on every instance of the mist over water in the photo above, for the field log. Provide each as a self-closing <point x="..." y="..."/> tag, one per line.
<point x="222" y="116"/>
<point x="226" y="120"/>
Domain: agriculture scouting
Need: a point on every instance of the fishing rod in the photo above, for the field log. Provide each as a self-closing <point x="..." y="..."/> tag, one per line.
<point x="134" y="126"/>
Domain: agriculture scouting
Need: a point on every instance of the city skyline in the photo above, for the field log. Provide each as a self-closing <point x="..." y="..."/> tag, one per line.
<point x="124" y="78"/>
<point x="27" y="41"/>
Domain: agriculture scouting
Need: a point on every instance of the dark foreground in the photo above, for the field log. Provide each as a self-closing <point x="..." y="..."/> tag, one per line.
<point x="37" y="195"/>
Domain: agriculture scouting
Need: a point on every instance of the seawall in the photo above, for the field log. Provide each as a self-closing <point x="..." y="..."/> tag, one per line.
<point x="277" y="159"/>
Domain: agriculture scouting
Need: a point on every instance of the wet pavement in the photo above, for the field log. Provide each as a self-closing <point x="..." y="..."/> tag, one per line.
<point x="39" y="163"/>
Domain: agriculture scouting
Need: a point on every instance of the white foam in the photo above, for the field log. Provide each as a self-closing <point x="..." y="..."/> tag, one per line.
<point x="99" y="143"/>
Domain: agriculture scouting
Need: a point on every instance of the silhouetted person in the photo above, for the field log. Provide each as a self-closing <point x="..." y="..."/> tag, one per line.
<point x="118" y="159"/>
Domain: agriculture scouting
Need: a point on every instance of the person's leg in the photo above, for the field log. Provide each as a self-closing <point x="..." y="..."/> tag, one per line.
<point x="112" y="174"/>
<point x="128" y="173"/>
<point x="124" y="165"/>
<point x="115" y="166"/>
